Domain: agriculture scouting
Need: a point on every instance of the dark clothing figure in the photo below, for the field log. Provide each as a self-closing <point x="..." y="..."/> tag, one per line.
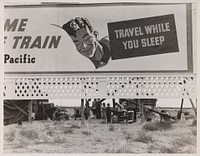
<point x="98" y="111"/>
<point x="86" y="113"/>
<point x="103" y="113"/>
<point x="77" y="113"/>
<point x="108" y="114"/>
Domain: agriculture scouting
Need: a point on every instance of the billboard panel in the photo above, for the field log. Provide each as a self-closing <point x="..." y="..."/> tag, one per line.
<point x="96" y="38"/>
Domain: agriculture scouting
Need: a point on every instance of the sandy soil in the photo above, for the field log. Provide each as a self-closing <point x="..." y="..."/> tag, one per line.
<point x="96" y="137"/>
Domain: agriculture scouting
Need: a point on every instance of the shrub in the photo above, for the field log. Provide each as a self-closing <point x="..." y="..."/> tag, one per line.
<point x="86" y="132"/>
<point x="111" y="128"/>
<point x="194" y="122"/>
<point x="68" y="131"/>
<point x="181" y="142"/>
<point x="97" y="139"/>
<point x="10" y="135"/>
<point x="118" y="150"/>
<point x="59" y="139"/>
<point x="118" y="146"/>
<point x="194" y="131"/>
<point x="58" y="122"/>
<point x="21" y="143"/>
<point x="30" y="134"/>
<point x="75" y="126"/>
<point x="186" y="113"/>
<point x="165" y="149"/>
<point x="128" y="136"/>
<point x="151" y="126"/>
<point x="49" y="133"/>
<point x="143" y="137"/>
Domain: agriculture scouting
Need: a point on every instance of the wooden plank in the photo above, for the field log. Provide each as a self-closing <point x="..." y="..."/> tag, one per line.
<point x="20" y="109"/>
<point x="82" y="112"/>
<point x="10" y="107"/>
<point x="113" y="101"/>
<point x="181" y="109"/>
<point x="195" y="110"/>
<point x="30" y="111"/>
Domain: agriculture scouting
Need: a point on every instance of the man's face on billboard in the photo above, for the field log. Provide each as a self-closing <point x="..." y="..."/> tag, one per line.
<point x="85" y="42"/>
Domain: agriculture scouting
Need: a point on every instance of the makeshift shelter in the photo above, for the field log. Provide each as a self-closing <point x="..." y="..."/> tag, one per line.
<point x="15" y="111"/>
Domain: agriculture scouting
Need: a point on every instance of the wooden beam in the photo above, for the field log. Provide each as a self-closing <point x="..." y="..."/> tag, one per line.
<point x="20" y="109"/>
<point x="195" y="110"/>
<point x="30" y="111"/>
<point x="10" y="107"/>
<point x="113" y="100"/>
<point x="43" y="111"/>
<point x="82" y="112"/>
<point x="101" y="100"/>
<point x="181" y="109"/>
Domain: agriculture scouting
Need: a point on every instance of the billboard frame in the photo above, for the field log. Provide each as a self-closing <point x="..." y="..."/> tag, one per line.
<point x="189" y="37"/>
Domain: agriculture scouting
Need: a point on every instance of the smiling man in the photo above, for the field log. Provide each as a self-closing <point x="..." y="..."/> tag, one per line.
<point x="86" y="41"/>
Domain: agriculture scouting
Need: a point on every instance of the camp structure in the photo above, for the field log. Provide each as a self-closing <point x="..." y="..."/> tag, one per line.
<point x="16" y="111"/>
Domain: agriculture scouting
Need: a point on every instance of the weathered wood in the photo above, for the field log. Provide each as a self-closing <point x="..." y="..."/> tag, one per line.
<point x="195" y="110"/>
<point x="101" y="100"/>
<point x="20" y="109"/>
<point x="114" y="103"/>
<point x="30" y="111"/>
<point x="181" y="109"/>
<point x="43" y="110"/>
<point x="10" y="107"/>
<point x="82" y="112"/>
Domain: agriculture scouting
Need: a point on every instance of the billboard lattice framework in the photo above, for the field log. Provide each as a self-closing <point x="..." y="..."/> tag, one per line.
<point x="176" y="86"/>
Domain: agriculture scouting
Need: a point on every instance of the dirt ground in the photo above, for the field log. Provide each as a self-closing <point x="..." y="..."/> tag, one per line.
<point x="96" y="137"/>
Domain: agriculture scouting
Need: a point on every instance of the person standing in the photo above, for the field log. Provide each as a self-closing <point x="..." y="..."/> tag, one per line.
<point x="103" y="112"/>
<point x="108" y="113"/>
<point x="98" y="110"/>
<point x="86" y="111"/>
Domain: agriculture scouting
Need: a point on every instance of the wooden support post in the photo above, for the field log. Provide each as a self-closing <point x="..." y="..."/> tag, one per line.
<point x="141" y="107"/>
<point x="195" y="110"/>
<point x="82" y="112"/>
<point x="113" y="100"/>
<point x="43" y="109"/>
<point x="30" y="111"/>
<point x="181" y="109"/>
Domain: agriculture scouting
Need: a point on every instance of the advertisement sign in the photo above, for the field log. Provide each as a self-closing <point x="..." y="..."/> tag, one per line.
<point x="96" y="38"/>
<point x="142" y="37"/>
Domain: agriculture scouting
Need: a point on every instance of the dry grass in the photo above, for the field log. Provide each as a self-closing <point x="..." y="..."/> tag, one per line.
<point x="59" y="139"/>
<point x="143" y="137"/>
<point x="29" y="134"/>
<point x="111" y="128"/>
<point x="74" y="126"/>
<point x="86" y="132"/>
<point x="68" y="131"/>
<point x="194" y="131"/>
<point x="10" y="135"/>
<point x="118" y="146"/>
<point x="95" y="137"/>
<point x="182" y="142"/>
<point x="151" y="126"/>
<point x="169" y="150"/>
<point x="128" y="136"/>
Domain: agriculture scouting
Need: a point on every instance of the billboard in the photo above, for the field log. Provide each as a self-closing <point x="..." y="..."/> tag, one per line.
<point x="96" y="38"/>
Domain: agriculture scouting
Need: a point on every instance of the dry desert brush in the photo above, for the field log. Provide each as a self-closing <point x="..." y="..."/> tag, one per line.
<point x="143" y="137"/>
<point x="154" y="126"/>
